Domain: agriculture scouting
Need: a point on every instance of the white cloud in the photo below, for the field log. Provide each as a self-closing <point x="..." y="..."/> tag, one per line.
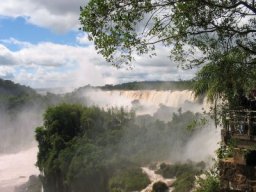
<point x="82" y="39"/>
<point x="46" y="54"/>
<point x="60" y="6"/>
<point x="6" y="72"/>
<point x="54" y="65"/>
<point x="14" y="41"/>
<point x="49" y="64"/>
<point x="58" y="23"/>
<point x="6" y="56"/>
<point x="58" y="15"/>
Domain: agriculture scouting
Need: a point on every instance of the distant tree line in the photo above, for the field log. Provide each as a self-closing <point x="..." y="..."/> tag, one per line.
<point x="146" y="85"/>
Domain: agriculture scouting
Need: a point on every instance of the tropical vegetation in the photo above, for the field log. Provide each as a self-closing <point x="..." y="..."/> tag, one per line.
<point x="91" y="149"/>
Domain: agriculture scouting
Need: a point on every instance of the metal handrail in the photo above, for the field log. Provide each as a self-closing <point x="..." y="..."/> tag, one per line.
<point x="241" y="122"/>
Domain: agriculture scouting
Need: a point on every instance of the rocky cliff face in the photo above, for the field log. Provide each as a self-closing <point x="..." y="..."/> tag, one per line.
<point x="33" y="185"/>
<point x="237" y="177"/>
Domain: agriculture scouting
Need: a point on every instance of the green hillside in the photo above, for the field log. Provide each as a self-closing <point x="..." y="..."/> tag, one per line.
<point x="141" y="85"/>
<point x="9" y="88"/>
<point x="151" y="85"/>
<point x="13" y="96"/>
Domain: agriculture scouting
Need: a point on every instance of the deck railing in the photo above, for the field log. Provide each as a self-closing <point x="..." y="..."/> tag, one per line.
<point x="241" y="124"/>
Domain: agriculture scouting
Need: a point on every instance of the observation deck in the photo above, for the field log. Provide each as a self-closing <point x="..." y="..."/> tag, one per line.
<point x="240" y="128"/>
<point x="238" y="171"/>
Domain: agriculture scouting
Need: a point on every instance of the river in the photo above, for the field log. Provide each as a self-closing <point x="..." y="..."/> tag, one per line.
<point x="16" y="168"/>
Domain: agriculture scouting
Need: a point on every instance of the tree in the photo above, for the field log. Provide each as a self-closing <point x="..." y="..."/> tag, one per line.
<point x="76" y="145"/>
<point x="216" y="35"/>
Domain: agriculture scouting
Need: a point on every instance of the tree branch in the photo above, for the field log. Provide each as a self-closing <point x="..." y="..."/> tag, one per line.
<point x="235" y="5"/>
<point x="246" y="48"/>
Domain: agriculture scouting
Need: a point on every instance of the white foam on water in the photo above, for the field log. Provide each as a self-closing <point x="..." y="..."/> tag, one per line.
<point x="16" y="168"/>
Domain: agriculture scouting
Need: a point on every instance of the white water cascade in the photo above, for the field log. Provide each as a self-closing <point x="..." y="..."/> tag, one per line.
<point x="149" y="99"/>
<point x="168" y="98"/>
<point x="153" y="177"/>
<point x="16" y="168"/>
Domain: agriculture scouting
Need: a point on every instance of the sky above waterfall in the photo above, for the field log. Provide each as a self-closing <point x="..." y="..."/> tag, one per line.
<point x="41" y="47"/>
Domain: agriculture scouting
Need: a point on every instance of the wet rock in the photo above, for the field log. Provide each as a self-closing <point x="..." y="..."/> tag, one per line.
<point x="33" y="185"/>
<point x="160" y="187"/>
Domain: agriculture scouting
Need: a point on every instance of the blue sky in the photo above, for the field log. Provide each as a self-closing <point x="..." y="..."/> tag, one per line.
<point x="41" y="46"/>
<point x="21" y="30"/>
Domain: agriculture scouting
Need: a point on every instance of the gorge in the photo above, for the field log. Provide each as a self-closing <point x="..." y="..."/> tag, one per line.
<point x="159" y="104"/>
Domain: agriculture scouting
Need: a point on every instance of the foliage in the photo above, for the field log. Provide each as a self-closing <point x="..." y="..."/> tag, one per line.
<point x="226" y="151"/>
<point x="210" y="26"/>
<point x="15" y="98"/>
<point x="209" y="182"/>
<point x="153" y="140"/>
<point x="131" y="179"/>
<point x="21" y="109"/>
<point x="184" y="182"/>
<point x="90" y="149"/>
<point x="177" y="169"/>
<point x="184" y="173"/>
<point x="223" y="78"/>
<point x="71" y="146"/>
<point x="216" y="36"/>
<point x="151" y="85"/>
<point x="10" y="88"/>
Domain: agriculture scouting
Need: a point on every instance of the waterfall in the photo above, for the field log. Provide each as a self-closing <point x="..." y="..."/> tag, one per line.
<point x="153" y="177"/>
<point x="168" y="98"/>
<point x="16" y="168"/>
<point x="148" y="99"/>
